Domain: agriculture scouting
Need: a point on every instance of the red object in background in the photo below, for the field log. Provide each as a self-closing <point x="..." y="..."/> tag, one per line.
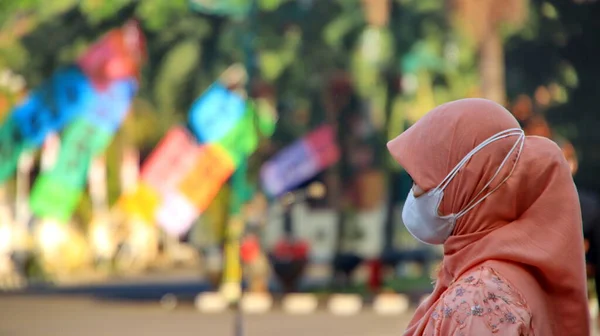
<point x="294" y="250"/>
<point x="250" y="249"/>
<point x="375" y="275"/>
<point x="323" y="144"/>
<point x="118" y="54"/>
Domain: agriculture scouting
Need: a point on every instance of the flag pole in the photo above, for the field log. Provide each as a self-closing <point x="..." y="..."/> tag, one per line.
<point x="251" y="71"/>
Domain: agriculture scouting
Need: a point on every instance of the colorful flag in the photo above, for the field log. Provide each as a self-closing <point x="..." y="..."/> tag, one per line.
<point x="176" y="214"/>
<point x="85" y="138"/>
<point x="117" y="55"/>
<point x="49" y="108"/>
<point x="141" y="203"/>
<point x="212" y="168"/>
<point x="300" y="161"/>
<point x="242" y="139"/>
<point x="54" y="104"/>
<point x="171" y="159"/>
<point x="158" y="198"/>
<point x="215" y="113"/>
<point x="184" y="173"/>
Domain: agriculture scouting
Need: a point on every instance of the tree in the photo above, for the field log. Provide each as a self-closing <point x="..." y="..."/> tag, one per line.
<point x="557" y="50"/>
<point x="487" y="21"/>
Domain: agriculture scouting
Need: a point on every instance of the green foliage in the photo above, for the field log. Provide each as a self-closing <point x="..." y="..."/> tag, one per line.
<point x="8" y="8"/>
<point x="50" y="9"/>
<point x="372" y="56"/>
<point x="97" y="11"/>
<point x="158" y="14"/>
<point x="298" y="48"/>
<point x="174" y="70"/>
<point x="274" y="62"/>
<point x="340" y="26"/>
<point x="14" y="56"/>
<point x="269" y="5"/>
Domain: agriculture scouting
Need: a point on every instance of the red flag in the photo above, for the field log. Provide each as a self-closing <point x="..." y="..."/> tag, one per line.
<point x="118" y="54"/>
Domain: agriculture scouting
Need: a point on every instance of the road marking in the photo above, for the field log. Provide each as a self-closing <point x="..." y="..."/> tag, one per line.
<point x="345" y="304"/>
<point x="299" y="304"/>
<point x="211" y="302"/>
<point x="256" y="303"/>
<point x="391" y="304"/>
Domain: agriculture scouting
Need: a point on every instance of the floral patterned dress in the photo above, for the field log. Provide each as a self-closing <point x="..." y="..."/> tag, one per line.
<point x="479" y="303"/>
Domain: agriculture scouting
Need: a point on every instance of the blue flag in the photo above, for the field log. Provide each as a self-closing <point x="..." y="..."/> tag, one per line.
<point x="53" y="105"/>
<point x="215" y="113"/>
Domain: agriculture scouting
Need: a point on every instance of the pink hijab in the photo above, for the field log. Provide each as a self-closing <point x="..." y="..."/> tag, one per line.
<point x="529" y="229"/>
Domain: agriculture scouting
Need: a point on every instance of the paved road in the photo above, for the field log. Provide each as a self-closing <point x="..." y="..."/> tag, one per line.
<point x="43" y="316"/>
<point x="69" y="316"/>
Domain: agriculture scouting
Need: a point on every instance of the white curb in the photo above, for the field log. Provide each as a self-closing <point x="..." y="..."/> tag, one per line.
<point x="299" y="304"/>
<point x="345" y="304"/>
<point x="391" y="304"/>
<point x="256" y="303"/>
<point x="211" y="303"/>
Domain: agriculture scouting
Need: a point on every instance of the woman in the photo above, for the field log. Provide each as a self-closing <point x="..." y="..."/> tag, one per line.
<point x="506" y="210"/>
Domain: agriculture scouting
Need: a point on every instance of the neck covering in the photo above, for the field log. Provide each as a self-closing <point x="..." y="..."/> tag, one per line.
<point x="529" y="229"/>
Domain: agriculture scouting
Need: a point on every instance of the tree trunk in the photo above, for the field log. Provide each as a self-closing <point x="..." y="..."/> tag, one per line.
<point x="491" y="68"/>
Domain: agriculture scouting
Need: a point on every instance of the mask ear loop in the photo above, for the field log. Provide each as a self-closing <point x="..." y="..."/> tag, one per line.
<point x="520" y="141"/>
<point x="512" y="150"/>
<point x="495" y="137"/>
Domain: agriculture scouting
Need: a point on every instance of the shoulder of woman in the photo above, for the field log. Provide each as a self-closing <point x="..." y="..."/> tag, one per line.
<point x="482" y="301"/>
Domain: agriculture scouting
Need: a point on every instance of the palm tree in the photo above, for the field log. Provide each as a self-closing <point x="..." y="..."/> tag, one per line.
<point x="485" y="21"/>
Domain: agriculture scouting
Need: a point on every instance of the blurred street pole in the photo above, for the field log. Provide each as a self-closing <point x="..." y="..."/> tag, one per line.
<point x="251" y="70"/>
<point x="231" y="281"/>
<point x="130" y="169"/>
<point x="98" y="190"/>
<point x="25" y="166"/>
<point x="98" y="187"/>
<point x="392" y="86"/>
<point x="232" y="275"/>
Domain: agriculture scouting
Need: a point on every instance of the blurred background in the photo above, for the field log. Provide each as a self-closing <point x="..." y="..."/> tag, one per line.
<point x="160" y="158"/>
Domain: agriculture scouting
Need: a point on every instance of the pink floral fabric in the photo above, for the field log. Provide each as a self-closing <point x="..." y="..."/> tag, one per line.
<point x="480" y="303"/>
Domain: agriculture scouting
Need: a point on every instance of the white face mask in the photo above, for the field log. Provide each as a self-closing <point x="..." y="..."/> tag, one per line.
<point x="420" y="214"/>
